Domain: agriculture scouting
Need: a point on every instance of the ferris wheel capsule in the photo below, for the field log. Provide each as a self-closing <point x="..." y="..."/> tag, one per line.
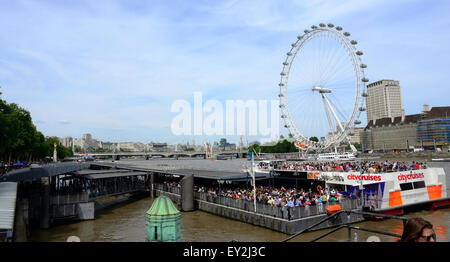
<point x="362" y="109"/>
<point x="365" y="80"/>
<point x="293" y="44"/>
<point x="353" y="42"/>
<point x="347" y="34"/>
<point x="299" y="37"/>
<point x="289" y="54"/>
<point x="283" y="73"/>
<point x="322" y="25"/>
<point x="281" y="84"/>
<point x="285" y="63"/>
<point x="314" y="27"/>
<point x="359" y="53"/>
<point x="357" y="122"/>
<point x="338" y="28"/>
<point x="306" y="31"/>
<point x="330" y="25"/>
<point x="363" y="66"/>
<point x="364" y="94"/>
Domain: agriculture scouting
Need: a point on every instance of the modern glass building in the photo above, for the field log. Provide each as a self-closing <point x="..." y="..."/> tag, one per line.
<point x="434" y="132"/>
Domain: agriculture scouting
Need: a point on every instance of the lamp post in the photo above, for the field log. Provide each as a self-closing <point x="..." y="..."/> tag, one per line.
<point x="254" y="185"/>
<point x="361" y="187"/>
<point x="252" y="171"/>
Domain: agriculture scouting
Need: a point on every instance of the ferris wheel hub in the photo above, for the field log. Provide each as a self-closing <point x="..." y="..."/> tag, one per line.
<point x="321" y="89"/>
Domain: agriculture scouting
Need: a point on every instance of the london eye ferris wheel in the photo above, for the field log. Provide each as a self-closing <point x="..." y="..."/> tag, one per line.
<point x="322" y="87"/>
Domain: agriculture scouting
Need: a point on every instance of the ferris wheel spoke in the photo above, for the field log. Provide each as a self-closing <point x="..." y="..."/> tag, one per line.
<point x="331" y="55"/>
<point x="342" y="86"/>
<point x="341" y="74"/>
<point x="337" y="69"/>
<point x="337" y="60"/>
<point x="343" y="77"/>
<point x="332" y="62"/>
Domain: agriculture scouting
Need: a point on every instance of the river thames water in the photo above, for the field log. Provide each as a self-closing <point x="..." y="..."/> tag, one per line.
<point x="125" y="222"/>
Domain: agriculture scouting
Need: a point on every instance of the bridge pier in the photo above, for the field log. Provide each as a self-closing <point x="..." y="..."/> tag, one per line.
<point x="45" y="207"/>
<point x="187" y="193"/>
<point x="152" y="185"/>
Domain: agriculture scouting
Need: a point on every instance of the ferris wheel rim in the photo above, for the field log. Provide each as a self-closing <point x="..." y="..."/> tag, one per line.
<point x="358" y="68"/>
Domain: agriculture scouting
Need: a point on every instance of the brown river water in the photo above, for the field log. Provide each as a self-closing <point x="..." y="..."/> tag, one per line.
<point x="125" y="222"/>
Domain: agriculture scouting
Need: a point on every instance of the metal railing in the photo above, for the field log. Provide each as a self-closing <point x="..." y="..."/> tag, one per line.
<point x="348" y="226"/>
<point x="104" y="191"/>
<point x="167" y="188"/>
<point x="290" y="213"/>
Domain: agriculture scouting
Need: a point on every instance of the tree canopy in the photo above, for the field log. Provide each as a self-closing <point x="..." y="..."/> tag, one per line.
<point x="281" y="147"/>
<point x="314" y="138"/>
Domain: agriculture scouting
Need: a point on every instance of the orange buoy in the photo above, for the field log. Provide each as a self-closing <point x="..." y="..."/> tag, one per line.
<point x="331" y="209"/>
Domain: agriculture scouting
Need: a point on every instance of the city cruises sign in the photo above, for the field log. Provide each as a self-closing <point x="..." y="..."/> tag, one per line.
<point x="354" y="178"/>
<point x="410" y="177"/>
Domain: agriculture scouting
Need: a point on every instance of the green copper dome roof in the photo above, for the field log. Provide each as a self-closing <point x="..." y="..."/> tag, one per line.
<point x="163" y="206"/>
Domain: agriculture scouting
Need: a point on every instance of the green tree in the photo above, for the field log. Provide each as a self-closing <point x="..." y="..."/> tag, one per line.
<point x="103" y="150"/>
<point x="19" y="138"/>
<point x="281" y="147"/>
<point x="357" y="146"/>
<point x="254" y="148"/>
<point x="77" y="149"/>
<point x="314" y="138"/>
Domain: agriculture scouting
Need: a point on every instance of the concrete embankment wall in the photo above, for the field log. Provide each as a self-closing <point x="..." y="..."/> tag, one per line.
<point x="278" y="224"/>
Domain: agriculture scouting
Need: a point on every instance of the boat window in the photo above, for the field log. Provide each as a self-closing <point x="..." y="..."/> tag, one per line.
<point x="406" y="186"/>
<point x="419" y="184"/>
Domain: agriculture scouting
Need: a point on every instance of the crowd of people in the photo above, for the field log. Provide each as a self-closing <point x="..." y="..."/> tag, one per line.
<point x="281" y="197"/>
<point x="363" y="166"/>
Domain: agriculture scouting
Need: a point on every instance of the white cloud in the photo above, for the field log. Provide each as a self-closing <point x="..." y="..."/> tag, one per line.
<point x="64" y="122"/>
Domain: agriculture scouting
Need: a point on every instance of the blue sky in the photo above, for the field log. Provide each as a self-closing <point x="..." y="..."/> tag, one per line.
<point x="113" y="68"/>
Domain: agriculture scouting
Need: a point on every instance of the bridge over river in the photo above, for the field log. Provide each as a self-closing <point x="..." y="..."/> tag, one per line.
<point x="167" y="154"/>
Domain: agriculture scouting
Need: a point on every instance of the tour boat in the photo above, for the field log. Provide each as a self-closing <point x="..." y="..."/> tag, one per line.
<point x="264" y="166"/>
<point x="336" y="156"/>
<point x="392" y="192"/>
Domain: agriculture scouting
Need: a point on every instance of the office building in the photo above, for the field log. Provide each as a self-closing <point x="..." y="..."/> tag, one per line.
<point x="384" y="100"/>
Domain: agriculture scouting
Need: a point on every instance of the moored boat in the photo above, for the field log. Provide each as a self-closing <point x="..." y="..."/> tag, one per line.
<point x="390" y="193"/>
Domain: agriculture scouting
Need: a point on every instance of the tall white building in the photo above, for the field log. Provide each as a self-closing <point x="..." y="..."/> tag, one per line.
<point x="384" y="100"/>
<point x="86" y="141"/>
<point x="66" y="141"/>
